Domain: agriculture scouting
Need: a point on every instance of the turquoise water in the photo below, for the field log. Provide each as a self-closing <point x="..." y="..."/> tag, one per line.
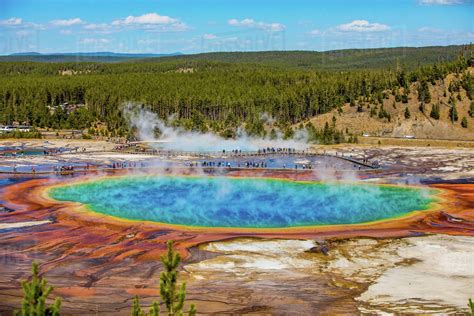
<point x="243" y="202"/>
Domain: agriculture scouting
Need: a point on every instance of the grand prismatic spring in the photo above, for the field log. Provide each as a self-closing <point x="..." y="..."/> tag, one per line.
<point x="243" y="202"/>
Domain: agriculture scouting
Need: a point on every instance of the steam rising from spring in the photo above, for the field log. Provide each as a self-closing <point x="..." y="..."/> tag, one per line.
<point x="175" y="138"/>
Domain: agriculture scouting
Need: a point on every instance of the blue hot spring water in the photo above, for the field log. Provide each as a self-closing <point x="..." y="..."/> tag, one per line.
<point x="243" y="202"/>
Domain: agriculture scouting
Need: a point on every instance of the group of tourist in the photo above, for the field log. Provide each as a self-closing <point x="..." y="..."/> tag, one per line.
<point x="304" y="166"/>
<point x="46" y="152"/>
<point x="267" y="150"/>
<point x="124" y="146"/>
<point x="278" y="150"/>
<point x="246" y="164"/>
<point x="234" y="151"/>
<point x="32" y="169"/>
<point x="59" y="169"/>
<point x="52" y="151"/>
<point x="127" y="164"/>
<point x="226" y="164"/>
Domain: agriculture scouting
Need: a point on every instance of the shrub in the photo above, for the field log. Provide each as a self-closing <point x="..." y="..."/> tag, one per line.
<point x="36" y="292"/>
<point x="172" y="296"/>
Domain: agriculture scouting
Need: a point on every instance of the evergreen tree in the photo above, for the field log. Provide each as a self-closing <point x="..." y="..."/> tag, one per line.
<point x="192" y="310"/>
<point x="373" y="111"/>
<point x="407" y="113"/>
<point x="424" y="95"/>
<point x="138" y="311"/>
<point x="381" y="113"/>
<point x="471" y="109"/>
<point x="398" y="97"/>
<point x="384" y="114"/>
<point x="402" y="79"/>
<point x="273" y="134"/>
<point x="422" y="107"/>
<point x="468" y="85"/>
<point x="155" y="309"/>
<point x="172" y="297"/>
<point x="255" y="127"/>
<point x="36" y="292"/>
<point x="464" y="122"/>
<point x="405" y="98"/>
<point x="198" y="122"/>
<point x="435" y="111"/>
<point x="453" y="113"/>
<point x="288" y="133"/>
<point x="327" y="134"/>
<point x="136" y="308"/>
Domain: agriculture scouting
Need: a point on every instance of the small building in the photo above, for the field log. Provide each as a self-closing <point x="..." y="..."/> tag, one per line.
<point x="6" y="128"/>
<point x="13" y="128"/>
<point x="66" y="106"/>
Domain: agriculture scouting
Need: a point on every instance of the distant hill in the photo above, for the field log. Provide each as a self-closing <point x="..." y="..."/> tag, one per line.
<point x="408" y="57"/>
<point x="26" y="54"/>
<point x="80" y="57"/>
<point x="340" y="60"/>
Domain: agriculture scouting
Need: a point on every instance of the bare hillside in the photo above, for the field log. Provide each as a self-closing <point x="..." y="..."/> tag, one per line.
<point x="419" y="125"/>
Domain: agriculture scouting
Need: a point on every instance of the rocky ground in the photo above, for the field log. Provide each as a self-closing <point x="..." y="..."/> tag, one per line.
<point x="418" y="162"/>
<point x="429" y="274"/>
<point x="293" y="276"/>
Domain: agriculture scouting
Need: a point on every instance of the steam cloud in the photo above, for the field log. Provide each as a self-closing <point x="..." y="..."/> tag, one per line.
<point x="175" y="138"/>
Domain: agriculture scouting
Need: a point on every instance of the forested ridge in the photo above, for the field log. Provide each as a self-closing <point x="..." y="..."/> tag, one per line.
<point x="200" y="94"/>
<point x="407" y="57"/>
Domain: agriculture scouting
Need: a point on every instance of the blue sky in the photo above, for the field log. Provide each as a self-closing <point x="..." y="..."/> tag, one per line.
<point x="193" y="26"/>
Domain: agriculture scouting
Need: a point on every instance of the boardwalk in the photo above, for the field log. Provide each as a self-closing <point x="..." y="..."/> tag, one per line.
<point x="221" y="159"/>
<point x="250" y="154"/>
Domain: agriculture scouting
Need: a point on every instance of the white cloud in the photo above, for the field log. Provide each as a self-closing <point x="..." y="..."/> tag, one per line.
<point x="20" y="24"/>
<point x="270" y="27"/>
<point x="68" y="22"/>
<point x="209" y="36"/>
<point x="23" y="33"/>
<point x="11" y="21"/>
<point x="94" y="41"/>
<point x="362" y="26"/>
<point x="148" y="41"/>
<point x="93" y="26"/>
<point x="149" y="18"/>
<point x="246" y="22"/>
<point x="441" y="2"/>
<point x="315" y="32"/>
<point x="151" y="22"/>
<point x="427" y="29"/>
<point x="65" y="32"/>
<point x="100" y="28"/>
